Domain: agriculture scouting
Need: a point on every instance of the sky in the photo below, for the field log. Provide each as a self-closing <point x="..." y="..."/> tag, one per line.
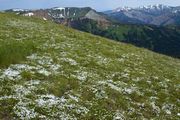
<point x="99" y="5"/>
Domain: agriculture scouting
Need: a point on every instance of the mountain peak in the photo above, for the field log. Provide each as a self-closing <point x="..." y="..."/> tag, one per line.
<point x="155" y="7"/>
<point x="17" y="9"/>
<point x="125" y="8"/>
<point x="58" y="8"/>
<point x="148" y="7"/>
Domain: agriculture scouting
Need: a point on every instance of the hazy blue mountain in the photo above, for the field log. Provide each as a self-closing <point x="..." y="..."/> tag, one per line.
<point x="152" y="14"/>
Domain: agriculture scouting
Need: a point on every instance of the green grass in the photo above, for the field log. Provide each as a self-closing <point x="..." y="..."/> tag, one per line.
<point x="48" y="71"/>
<point x="11" y="52"/>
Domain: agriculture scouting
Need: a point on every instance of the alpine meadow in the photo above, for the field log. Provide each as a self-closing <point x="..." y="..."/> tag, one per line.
<point x="80" y="64"/>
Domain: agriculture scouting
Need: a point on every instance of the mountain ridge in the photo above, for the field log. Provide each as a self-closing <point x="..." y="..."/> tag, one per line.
<point x="160" y="15"/>
<point x="63" y="12"/>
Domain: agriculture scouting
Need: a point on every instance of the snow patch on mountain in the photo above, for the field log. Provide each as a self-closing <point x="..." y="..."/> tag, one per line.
<point x="154" y="7"/>
<point x="29" y="14"/>
<point x="18" y="9"/>
<point x="58" y="8"/>
<point x="125" y="8"/>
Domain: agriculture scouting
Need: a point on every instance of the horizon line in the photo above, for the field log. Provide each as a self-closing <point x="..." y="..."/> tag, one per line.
<point x="83" y="7"/>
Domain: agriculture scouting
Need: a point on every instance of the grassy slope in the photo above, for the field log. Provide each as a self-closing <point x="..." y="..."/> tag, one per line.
<point x="55" y="72"/>
<point x="164" y="40"/>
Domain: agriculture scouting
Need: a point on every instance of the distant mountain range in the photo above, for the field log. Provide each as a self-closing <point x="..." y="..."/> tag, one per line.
<point x="152" y="14"/>
<point x="159" y="14"/>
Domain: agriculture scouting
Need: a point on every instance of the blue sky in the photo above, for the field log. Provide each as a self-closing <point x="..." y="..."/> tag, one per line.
<point x="99" y="5"/>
